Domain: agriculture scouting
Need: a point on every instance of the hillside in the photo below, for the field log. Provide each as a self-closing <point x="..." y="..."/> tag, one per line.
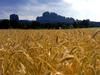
<point x="50" y="52"/>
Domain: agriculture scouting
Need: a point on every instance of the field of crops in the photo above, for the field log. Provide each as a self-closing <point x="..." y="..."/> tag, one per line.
<point x="50" y="52"/>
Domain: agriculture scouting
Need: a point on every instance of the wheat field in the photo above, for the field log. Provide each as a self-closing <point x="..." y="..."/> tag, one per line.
<point x="50" y="52"/>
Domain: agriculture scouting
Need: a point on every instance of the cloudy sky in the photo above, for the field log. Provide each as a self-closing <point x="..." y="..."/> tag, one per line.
<point x="29" y="9"/>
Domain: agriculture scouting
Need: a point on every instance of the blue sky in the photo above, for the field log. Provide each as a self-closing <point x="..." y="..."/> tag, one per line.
<point x="30" y="9"/>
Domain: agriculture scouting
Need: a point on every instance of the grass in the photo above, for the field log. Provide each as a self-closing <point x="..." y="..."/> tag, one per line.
<point x="50" y="52"/>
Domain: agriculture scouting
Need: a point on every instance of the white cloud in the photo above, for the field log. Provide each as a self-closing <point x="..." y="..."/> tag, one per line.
<point x="85" y="8"/>
<point x="78" y="9"/>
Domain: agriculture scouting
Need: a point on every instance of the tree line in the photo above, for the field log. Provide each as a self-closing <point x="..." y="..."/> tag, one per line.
<point x="6" y="24"/>
<point x="15" y="23"/>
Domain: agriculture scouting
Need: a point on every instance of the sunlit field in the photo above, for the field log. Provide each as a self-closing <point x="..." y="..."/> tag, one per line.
<point x="50" y="52"/>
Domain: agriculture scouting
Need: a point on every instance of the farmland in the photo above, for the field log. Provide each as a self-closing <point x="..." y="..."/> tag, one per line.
<point x="50" y="52"/>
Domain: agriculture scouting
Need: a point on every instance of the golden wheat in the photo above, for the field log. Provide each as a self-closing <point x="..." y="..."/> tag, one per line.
<point x="50" y="52"/>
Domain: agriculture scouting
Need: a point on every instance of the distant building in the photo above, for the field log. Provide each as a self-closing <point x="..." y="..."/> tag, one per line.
<point x="14" y="17"/>
<point x="52" y="17"/>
